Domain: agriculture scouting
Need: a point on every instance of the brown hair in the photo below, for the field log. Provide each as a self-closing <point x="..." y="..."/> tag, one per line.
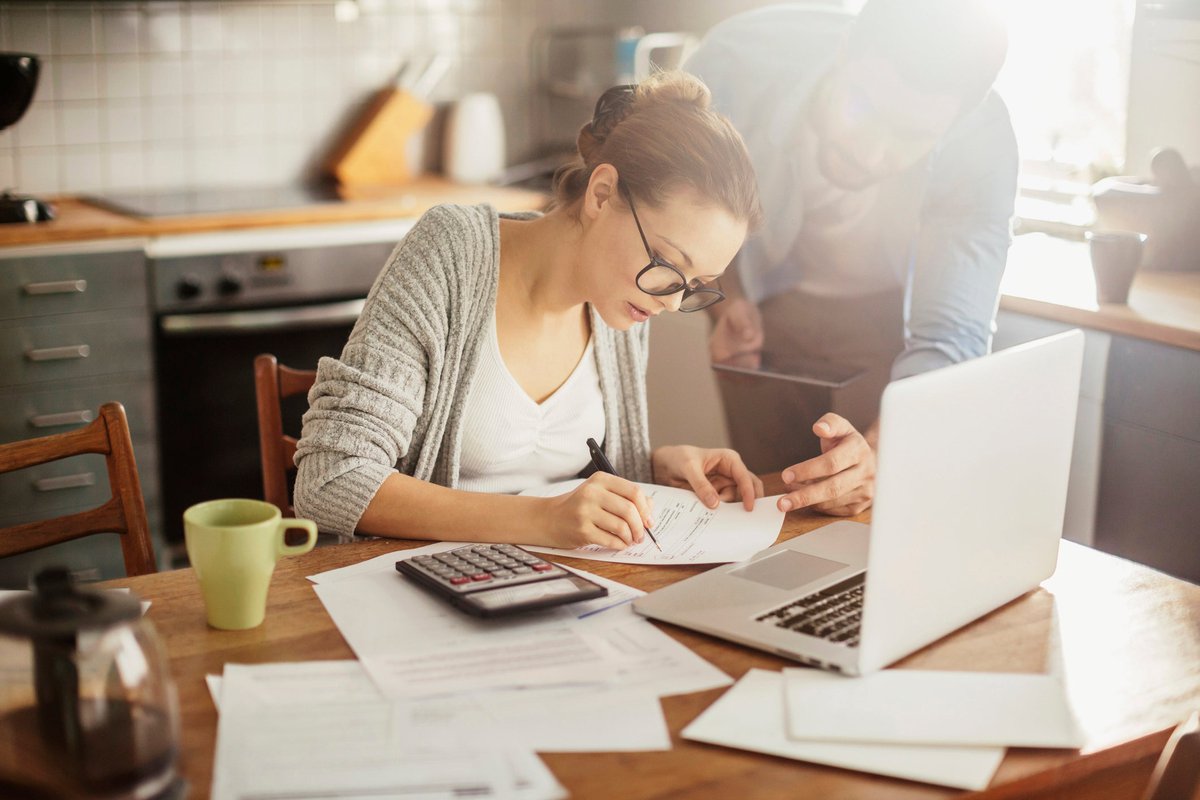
<point x="662" y="135"/>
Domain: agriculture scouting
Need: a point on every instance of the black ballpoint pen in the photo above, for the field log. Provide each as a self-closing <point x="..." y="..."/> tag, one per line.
<point x="601" y="462"/>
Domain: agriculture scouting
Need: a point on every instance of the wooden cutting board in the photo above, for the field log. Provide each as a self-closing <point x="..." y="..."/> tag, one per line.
<point x="373" y="152"/>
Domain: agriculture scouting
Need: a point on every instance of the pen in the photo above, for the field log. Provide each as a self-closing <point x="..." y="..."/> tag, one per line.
<point x="601" y="462"/>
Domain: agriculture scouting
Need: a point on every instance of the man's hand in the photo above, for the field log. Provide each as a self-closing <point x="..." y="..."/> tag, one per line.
<point x="737" y="335"/>
<point x="840" y="481"/>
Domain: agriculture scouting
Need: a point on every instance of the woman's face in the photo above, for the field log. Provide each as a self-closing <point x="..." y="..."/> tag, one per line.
<point x="688" y="232"/>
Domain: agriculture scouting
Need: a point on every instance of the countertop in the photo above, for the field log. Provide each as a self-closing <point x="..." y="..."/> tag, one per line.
<point x="79" y="221"/>
<point x="1052" y="278"/>
<point x="1046" y="277"/>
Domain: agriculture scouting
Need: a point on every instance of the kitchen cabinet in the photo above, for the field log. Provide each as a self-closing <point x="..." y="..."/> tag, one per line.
<point x="1149" y="509"/>
<point x="75" y="332"/>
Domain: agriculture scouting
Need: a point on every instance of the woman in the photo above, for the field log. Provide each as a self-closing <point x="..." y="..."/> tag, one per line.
<point x="491" y="347"/>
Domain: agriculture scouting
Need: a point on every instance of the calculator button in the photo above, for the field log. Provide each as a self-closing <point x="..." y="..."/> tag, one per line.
<point x="523" y="570"/>
<point x="542" y="567"/>
<point x="501" y="573"/>
<point x="459" y="580"/>
<point x="481" y="576"/>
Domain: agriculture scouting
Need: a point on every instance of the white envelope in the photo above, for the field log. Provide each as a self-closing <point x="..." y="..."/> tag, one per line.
<point x="750" y="716"/>
<point x="905" y="706"/>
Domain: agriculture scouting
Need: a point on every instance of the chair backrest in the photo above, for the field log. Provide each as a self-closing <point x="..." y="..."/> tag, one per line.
<point x="125" y="511"/>
<point x="272" y="384"/>
<point x="1177" y="774"/>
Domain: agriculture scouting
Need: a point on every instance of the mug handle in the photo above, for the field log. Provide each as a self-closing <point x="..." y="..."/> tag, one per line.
<point x="297" y="549"/>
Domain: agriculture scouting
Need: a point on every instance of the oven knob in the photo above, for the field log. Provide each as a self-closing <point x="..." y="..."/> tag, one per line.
<point x="187" y="288"/>
<point x="229" y="284"/>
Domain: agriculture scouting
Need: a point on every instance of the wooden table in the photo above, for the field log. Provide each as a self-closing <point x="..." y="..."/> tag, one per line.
<point x="1130" y="642"/>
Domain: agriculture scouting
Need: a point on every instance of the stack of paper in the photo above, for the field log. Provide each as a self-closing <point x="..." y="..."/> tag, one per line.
<point x="321" y="729"/>
<point x="688" y="531"/>
<point x="413" y="644"/>
<point x="947" y="728"/>
<point x="442" y="704"/>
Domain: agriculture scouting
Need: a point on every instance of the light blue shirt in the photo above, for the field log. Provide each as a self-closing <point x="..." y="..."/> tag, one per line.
<point x="940" y="230"/>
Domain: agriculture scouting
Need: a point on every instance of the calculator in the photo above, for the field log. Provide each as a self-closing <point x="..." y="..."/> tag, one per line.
<point x="493" y="580"/>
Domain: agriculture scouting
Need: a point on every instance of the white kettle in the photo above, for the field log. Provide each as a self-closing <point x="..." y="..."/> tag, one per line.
<point x="473" y="147"/>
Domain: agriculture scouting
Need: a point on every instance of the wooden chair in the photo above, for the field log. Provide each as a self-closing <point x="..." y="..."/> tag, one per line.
<point x="125" y="511"/>
<point x="1177" y="774"/>
<point x="272" y="384"/>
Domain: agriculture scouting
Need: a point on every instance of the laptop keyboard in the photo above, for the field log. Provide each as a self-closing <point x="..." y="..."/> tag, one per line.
<point x="833" y="614"/>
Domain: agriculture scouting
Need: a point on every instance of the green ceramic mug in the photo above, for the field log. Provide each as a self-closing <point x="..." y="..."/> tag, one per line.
<point x="233" y="546"/>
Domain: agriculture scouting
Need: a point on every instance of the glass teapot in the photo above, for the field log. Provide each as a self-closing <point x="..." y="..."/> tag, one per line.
<point x="87" y="706"/>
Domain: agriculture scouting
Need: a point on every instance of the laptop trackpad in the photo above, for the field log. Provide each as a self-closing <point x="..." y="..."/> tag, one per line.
<point x="788" y="569"/>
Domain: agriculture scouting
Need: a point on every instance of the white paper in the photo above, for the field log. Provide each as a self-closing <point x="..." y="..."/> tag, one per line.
<point x="559" y="720"/>
<point x="750" y="716"/>
<point x="688" y="531"/>
<point x="320" y="728"/>
<point x="380" y="613"/>
<point x="547" y="657"/>
<point x="921" y="707"/>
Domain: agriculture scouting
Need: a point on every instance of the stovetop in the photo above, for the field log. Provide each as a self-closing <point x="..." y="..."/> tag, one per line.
<point x="193" y="202"/>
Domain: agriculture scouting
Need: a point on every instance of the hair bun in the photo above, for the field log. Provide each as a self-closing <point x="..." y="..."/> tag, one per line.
<point x="612" y="107"/>
<point x="675" y="87"/>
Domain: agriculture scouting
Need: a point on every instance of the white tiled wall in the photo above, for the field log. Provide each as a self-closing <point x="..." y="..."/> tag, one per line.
<point x="165" y="94"/>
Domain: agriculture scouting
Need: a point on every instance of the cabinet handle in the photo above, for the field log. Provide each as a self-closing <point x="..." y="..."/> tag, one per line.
<point x="64" y="418"/>
<point x="59" y="353"/>
<point x="76" y="481"/>
<point x="57" y="287"/>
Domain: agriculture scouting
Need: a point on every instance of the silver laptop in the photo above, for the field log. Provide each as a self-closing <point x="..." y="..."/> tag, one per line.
<point x="971" y="489"/>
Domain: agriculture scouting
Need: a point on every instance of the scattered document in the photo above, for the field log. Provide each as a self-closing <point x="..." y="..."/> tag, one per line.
<point x="546" y="657"/>
<point x="922" y="707"/>
<point x="320" y="729"/>
<point x="382" y="615"/>
<point x="546" y="720"/>
<point x="688" y="531"/>
<point x="750" y="716"/>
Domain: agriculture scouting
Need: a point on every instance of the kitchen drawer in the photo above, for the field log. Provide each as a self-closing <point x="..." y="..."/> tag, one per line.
<point x="45" y="409"/>
<point x="70" y="484"/>
<point x="37" y="285"/>
<point x="74" y="346"/>
<point x="1154" y="385"/>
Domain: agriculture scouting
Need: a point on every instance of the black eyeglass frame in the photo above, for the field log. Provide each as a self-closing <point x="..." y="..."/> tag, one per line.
<point x="716" y="294"/>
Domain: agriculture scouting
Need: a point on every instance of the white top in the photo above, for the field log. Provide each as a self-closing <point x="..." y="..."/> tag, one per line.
<point x="510" y="443"/>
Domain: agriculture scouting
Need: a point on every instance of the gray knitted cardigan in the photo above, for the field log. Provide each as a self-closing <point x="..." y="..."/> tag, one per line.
<point x="395" y="398"/>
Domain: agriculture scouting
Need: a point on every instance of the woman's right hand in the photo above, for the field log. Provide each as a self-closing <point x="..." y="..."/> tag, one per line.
<point x="737" y="336"/>
<point x="604" y="510"/>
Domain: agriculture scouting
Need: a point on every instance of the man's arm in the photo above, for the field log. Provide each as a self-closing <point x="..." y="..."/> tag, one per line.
<point x="962" y="245"/>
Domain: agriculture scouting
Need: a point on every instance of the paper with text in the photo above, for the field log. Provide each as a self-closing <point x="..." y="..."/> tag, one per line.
<point x="319" y="729"/>
<point x="564" y="720"/>
<point x="688" y="531"/>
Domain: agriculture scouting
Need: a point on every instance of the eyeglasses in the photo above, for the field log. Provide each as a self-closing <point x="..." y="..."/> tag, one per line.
<point x="660" y="279"/>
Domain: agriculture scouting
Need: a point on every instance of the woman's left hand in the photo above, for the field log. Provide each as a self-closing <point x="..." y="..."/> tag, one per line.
<point x="713" y="474"/>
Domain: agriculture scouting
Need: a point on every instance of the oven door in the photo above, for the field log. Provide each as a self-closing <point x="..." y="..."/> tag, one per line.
<point x="208" y="424"/>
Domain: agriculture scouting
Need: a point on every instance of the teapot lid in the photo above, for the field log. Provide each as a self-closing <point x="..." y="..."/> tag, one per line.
<point x="57" y="608"/>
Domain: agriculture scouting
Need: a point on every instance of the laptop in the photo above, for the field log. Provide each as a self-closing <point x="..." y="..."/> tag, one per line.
<point x="971" y="488"/>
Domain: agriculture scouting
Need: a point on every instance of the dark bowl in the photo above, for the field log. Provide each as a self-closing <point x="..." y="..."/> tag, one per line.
<point x="18" y="80"/>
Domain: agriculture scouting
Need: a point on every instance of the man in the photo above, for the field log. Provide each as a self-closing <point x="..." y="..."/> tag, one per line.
<point x="887" y="170"/>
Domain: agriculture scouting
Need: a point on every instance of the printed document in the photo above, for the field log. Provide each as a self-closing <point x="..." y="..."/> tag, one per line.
<point x="750" y="716"/>
<point x="277" y="738"/>
<point x="613" y="719"/>
<point x="688" y="531"/>
<point x="388" y="621"/>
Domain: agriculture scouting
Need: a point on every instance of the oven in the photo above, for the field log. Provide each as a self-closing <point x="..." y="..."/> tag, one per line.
<point x="221" y="299"/>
